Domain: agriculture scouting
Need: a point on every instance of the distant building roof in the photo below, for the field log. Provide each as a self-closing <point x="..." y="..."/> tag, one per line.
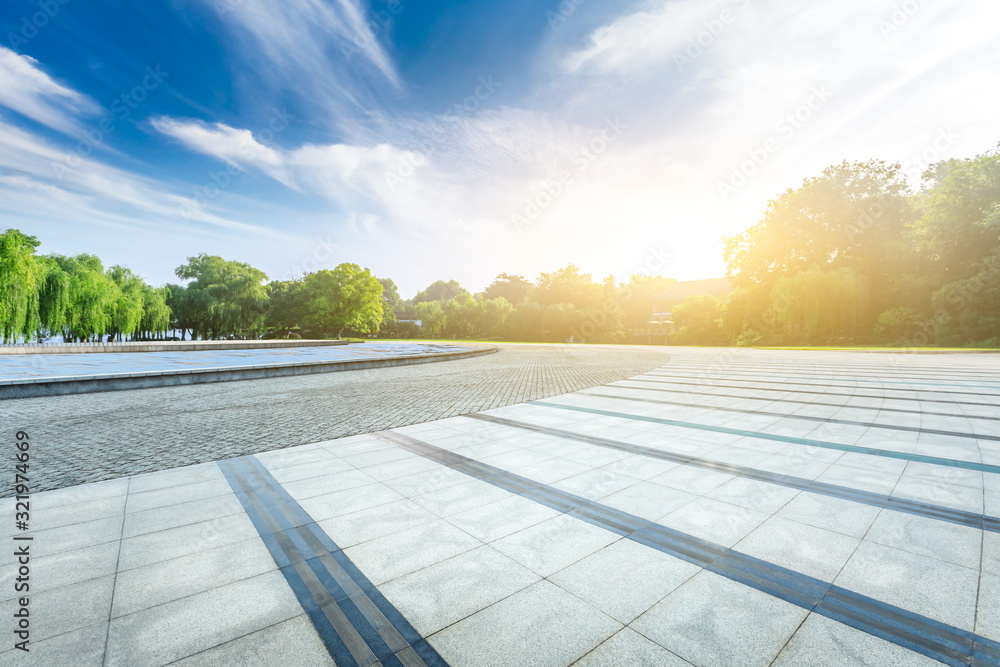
<point x="681" y="290"/>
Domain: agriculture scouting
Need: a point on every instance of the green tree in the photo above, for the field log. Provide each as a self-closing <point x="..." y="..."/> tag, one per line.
<point x="92" y="297"/>
<point x="959" y="224"/>
<point x="126" y="315"/>
<point x="432" y="318"/>
<point x="512" y="288"/>
<point x="492" y="316"/>
<point x="181" y="319"/>
<point x="53" y="296"/>
<point x="967" y="311"/>
<point x="698" y="321"/>
<point x="636" y="298"/>
<point x="524" y="322"/>
<point x="347" y="297"/>
<point x="390" y="295"/>
<point x="461" y="315"/>
<point x="224" y="297"/>
<point x="852" y="216"/>
<point x="155" y="311"/>
<point x="286" y="307"/>
<point x="568" y="285"/>
<point x="19" y="281"/>
<point x="818" y="304"/>
<point x="440" y="291"/>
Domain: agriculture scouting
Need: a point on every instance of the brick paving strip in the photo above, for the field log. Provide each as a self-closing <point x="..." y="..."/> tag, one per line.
<point x="93" y="437"/>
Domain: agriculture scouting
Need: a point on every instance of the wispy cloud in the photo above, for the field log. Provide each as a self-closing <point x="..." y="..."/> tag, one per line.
<point x="26" y="158"/>
<point x="29" y="91"/>
<point x="323" y="51"/>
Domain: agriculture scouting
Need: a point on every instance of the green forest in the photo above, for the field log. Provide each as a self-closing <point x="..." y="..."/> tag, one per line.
<point x="853" y="256"/>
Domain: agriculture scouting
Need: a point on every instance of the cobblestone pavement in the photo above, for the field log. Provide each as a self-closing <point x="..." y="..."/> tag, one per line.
<point x="93" y="437"/>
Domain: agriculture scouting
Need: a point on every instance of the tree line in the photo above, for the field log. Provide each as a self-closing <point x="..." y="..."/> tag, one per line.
<point x="852" y="256"/>
<point x="73" y="297"/>
<point x="856" y="256"/>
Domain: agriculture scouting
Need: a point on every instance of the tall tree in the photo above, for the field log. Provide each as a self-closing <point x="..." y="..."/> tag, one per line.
<point x="224" y="297"/>
<point x="440" y="291"/>
<point x="853" y="216"/>
<point x="390" y="295"/>
<point x="53" y="296"/>
<point x="959" y="224"/>
<point x="92" y="297"/>
<point x="637" y="298"/>
<point x="432" y="318"/>
<point x="514" y="289"/>
<point x="19" y="279"/>
<point x="155" y="311"/>
<point x="346" y="297"/>
<point x="128" y="308"/>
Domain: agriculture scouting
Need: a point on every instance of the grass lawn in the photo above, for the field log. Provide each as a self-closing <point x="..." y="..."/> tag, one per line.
<point x="857" y="348"/>
<point x="877" y="348"/>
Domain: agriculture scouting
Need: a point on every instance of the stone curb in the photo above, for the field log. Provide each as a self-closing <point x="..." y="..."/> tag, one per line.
<point x="79" y="384"/>
<point x="166" y="346"/>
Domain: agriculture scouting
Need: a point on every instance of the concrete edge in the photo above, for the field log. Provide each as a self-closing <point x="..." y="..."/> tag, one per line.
<point x="167" y="346"/>
<point x="91" y="384"/>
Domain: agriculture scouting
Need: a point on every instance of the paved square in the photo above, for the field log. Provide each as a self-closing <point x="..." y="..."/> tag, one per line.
<point x="731" y="507"/>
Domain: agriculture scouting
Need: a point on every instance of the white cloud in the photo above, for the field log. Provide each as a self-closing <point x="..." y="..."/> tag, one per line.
<point x="29" y="91"/>
<point x="640" y="39"/>
<point x="108" y="191"/>
<point x="322" y="50"/>
<point x="236" y="147"/>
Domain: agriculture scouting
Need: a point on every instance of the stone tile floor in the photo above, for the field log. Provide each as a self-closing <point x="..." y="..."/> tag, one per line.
<point x="576" y="530"/>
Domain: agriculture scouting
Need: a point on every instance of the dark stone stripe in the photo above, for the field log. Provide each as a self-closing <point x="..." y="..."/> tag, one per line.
<point x="618" y="385"/>
<point x="773" y="381"/>
<point x="822" y="420"/>
<point x="960" y="517"/>
<point x="870" y="451"/>
<point x="803" y="391"/>
<point x="947" y="644"/>
<point x="356" y="623"/>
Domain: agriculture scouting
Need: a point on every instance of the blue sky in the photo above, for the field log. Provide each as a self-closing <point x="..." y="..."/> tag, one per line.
<point x="463" y="139"/>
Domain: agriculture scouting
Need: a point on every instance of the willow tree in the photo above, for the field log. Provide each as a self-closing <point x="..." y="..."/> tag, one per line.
<point x="19" y="277"/>
<point x="126" y="314"/>
<point x="53" y="297"/>
<point x="92" y="297"/>
<point x="223" y="297"/>
<point x="818" y="303"/>
<point x="155" y="311"/>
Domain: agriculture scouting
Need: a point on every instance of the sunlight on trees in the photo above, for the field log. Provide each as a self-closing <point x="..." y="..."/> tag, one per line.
<point x="852" y="256"/>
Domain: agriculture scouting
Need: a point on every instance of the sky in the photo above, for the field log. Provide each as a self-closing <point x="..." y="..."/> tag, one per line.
<point x="460" y="140"/>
